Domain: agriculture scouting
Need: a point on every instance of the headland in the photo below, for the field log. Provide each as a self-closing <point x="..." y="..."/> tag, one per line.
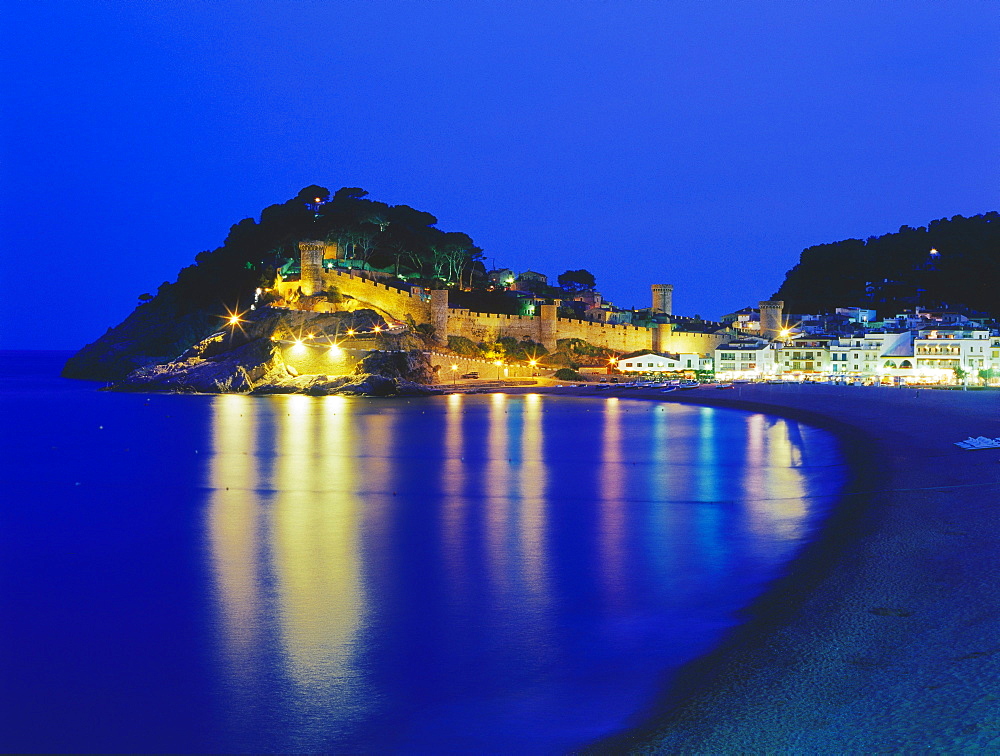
<point x="885" y="636"/>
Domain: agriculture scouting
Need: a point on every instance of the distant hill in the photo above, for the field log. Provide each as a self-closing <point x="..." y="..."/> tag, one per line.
<point x="899" y="270"/>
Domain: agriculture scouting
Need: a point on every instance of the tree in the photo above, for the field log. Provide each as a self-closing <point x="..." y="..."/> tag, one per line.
<point x="575" y="281"/>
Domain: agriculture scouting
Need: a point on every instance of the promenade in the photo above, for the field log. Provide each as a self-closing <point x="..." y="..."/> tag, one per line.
<point x="886" y="637"/>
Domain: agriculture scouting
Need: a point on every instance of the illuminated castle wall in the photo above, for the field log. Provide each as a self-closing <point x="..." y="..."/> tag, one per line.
<point x="545" y="328"/>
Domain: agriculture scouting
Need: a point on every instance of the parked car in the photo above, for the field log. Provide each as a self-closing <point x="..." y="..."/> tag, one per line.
<point x="473" y="374"/>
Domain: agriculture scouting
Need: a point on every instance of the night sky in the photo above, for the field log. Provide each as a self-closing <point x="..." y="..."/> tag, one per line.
<point x="702" y="144"/>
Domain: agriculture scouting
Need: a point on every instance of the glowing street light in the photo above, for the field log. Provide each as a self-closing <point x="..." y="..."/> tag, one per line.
<point x="350" y="331"/>
<point x="499" y="364"/>
<point x="454" y="375"/>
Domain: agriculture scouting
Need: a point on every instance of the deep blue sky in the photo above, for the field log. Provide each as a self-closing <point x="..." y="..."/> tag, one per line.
<point x="698" y="143"/>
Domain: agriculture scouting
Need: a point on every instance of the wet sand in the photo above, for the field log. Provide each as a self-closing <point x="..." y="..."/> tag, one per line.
<point x="885" y="637"/>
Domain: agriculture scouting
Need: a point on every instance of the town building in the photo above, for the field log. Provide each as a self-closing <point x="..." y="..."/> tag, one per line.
<point x="958" y="350"/>
<point x="746" y="358"/>
<point x="657" y="362"/>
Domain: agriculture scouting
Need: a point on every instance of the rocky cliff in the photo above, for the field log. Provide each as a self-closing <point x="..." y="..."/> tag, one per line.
<point x="246" y="358"/>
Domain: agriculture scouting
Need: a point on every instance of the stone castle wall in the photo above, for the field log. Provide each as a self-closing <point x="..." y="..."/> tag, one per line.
<point x="692" y="343"/>
<point x="395" y="303"/>
<point x="489" y="326"/>
<point x="399" y="304"/>
<point x="545" y="328"/>
<point x="621" y="337"/>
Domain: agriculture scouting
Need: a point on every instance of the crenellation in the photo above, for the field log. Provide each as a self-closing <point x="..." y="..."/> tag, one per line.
<point x="545" y="328"/>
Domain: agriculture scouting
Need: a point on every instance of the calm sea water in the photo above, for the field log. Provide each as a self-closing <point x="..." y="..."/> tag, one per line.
<point x="479" y="574"/>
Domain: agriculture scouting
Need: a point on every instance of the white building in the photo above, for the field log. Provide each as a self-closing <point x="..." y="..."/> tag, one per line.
<point x="656" y="362"/>
<point x="807" y="356"/>
<point x="943" y="350"/>
<point x="747" y="358"/>
<point x="857" y="314"/>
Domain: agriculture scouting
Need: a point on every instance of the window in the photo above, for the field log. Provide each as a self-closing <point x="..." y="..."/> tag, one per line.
<point x="727" y="356"/>
<point x="649" y="364"/>
<point x="628" y="364"/>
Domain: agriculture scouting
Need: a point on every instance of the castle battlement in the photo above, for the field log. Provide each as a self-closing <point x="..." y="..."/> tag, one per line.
<point x="545" y="328"/>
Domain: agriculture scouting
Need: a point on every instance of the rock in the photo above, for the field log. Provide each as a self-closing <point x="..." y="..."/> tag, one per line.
<point x="413" y="366"/>
<point x="247" y="359"/>
<point x="408" y="388"/>
<point x="236" y="371"/>
<point x="370" y="385"/>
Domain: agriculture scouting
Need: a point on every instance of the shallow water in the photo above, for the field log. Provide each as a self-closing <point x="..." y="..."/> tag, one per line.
<point x="487" y="574"/>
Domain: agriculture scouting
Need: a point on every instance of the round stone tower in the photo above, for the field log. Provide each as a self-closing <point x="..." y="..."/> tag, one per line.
<point x="663" y="298"/>
<point x="771" y="323"/>
<point x="439" y="315"/>
<point x="311" y="264"/>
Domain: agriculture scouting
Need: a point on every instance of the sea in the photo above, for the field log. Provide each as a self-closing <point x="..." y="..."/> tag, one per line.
<point x="481" y="574"/>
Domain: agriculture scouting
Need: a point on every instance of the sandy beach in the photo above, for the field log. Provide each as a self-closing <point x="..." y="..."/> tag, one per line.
<point x="886" y="636"/>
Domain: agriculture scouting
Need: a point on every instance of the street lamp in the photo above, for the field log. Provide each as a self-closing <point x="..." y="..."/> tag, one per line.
<point x="454" y="375"/>
<point x="534" y="364"/>
<point x="498" y="363"/>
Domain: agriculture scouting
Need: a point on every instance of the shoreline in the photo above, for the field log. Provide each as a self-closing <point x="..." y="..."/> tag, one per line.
<point x="885" y="633"/>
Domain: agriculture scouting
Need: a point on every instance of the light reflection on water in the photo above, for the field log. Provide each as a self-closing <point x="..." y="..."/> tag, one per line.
<point x="485" y="573"/>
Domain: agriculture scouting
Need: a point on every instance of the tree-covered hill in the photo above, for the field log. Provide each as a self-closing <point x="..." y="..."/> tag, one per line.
<point x="947" y="264"/>
<point x="223" y="280"/>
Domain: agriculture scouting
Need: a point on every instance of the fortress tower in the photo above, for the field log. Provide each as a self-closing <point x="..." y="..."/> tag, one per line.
<point x="663" y="298"/>
<point x="311" y="263"/>
<point x="548" y="326"/>
<point x="439" y="315"/>
<point x="771" y="323"/>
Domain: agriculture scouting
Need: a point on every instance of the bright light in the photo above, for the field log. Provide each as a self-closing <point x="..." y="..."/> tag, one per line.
<point x="785" y="333"/>
<point x="350" y="331"/>
<point x="310" y="336"/>
<point x="298" y="343"/>
<point x="498" y="363"/>
<point x="334" y="350"/>
<point x="319" y="199"/>
<point x="377" y="329"/>
<point x="232" y="317"/>
<point x="454" y="367"/>
<point x="532" y="362"/>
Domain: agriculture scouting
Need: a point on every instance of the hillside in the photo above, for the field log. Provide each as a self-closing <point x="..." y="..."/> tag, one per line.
<point x="949" y="264"/>
<point x="373" y="234"/>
